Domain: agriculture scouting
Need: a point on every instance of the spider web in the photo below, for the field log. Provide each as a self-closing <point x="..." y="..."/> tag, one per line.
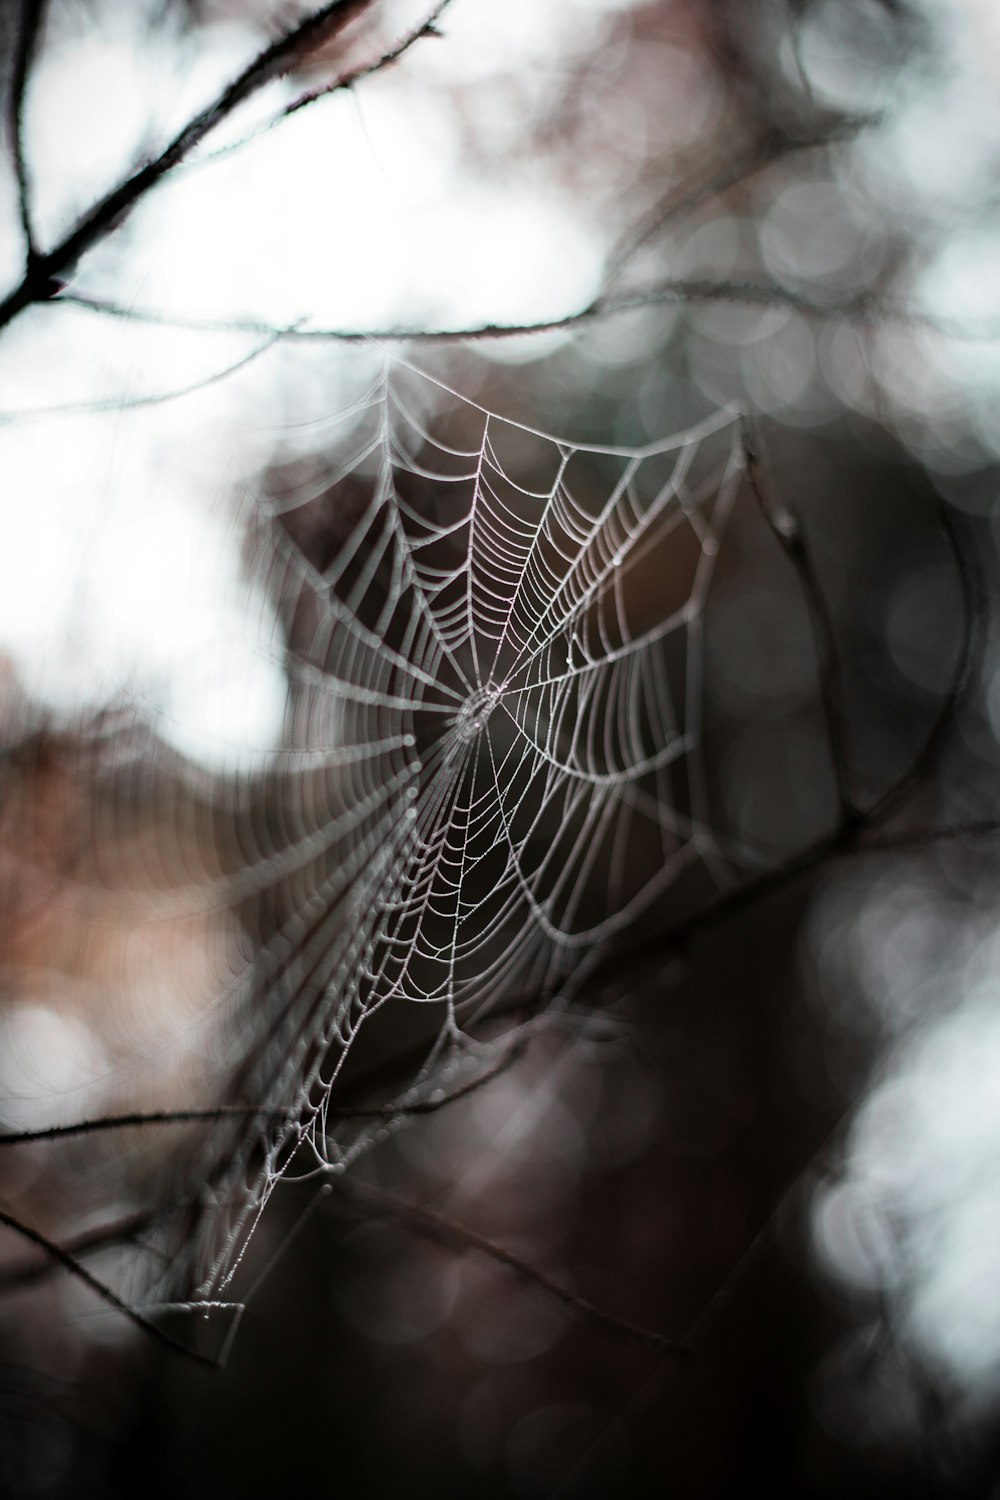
<point x="493" y="764"/>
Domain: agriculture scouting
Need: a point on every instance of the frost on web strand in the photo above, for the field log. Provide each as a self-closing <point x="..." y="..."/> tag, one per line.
<point x="494" y="761"/>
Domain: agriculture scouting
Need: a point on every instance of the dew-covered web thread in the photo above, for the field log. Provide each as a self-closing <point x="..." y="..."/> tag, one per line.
<point x="493" y="764"/>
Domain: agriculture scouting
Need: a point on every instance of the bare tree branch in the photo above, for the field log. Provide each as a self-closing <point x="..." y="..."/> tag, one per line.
<point x="100" y="1123"/>
<point x="391" y="1111"/>
<point x="861" y="309"/>
<point x="971" y="645"/>
<point x="434" y="1226"/>
<point x="787" y="528"/>
<point x="71" y="1263"/>
<point x="136" y="403"/>
<point x="99" y="1237"/>
<point x="426" y="27"/>
<point x="32" y="13"/>
<point x="43" y="276"/>
<point x="679" y="201"/>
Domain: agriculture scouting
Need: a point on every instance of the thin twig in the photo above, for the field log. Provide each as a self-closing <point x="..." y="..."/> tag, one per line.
<point x="435" y="1226"/>
<point x="43" y="277"/>
<point x="683" y="291"/>
<point x="136" y="403"/>
<point x="69" y="1262"/>
<point x="100" y="1124"/>
<point x="773" y="147"/>
<point x="425" y="27"/>
<point x="98" y="1237"/>
<point x="30" y="23"/>
<point x="341" y="84"/>
<point x="919" y="838"/>
<point x="787" y="529"/>
<point x="711" y="1311"/>
<point x="971" y="646"/>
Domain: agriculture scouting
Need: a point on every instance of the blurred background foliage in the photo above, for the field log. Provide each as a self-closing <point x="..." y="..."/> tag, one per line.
<point x="778" y="1140"/>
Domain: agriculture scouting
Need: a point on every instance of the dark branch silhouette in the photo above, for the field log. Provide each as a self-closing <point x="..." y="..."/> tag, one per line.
<point x="861" y="309"/>
<point x="46" y="271"/>
<point x="373" y="1203"/>
<point x="787" y="528"/>
<point x="70" y="1262"/>
<point x="102" y="1123"/>
<point x="30" y="19"/>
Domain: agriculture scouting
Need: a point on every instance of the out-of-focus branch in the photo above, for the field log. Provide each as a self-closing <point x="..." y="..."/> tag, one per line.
<point x="375" y="1204"/>
<point x="43" y="275"/>
<point x="65" y="1258"/>
<point x="121" y="1231"/>
<point x="969" y="656"/>
<point x="787" y="529"/>
<point x="863" y="309"/>
<point x="426" y="27"/>
<point x="100" y="1124"/>
<point x="137" y="403"/>
<point x="680" y="200"/>
<point x="30" y="23"/>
